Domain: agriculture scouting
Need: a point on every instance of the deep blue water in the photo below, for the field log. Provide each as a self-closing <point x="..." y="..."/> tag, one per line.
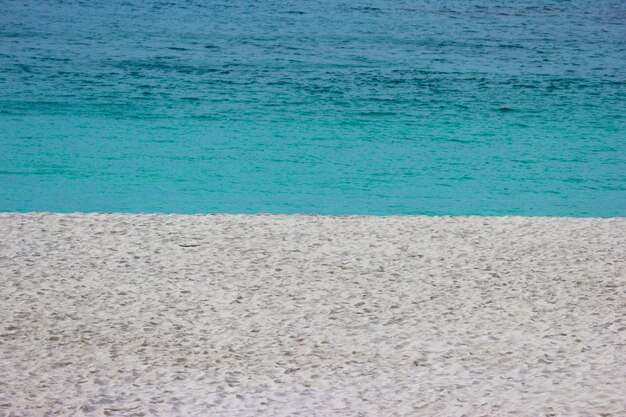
<point x="378" y="107"/>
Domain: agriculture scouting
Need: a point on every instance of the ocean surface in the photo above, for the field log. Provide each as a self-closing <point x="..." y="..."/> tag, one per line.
<point x="354" y="107"/>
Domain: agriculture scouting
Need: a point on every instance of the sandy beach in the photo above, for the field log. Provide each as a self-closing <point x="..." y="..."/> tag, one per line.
<point x="276" y="315"/>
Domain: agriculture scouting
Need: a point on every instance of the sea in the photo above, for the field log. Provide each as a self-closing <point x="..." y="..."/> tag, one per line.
<point x="390" y="107"/>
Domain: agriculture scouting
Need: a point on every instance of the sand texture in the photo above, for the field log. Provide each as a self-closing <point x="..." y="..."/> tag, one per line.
<point x="234" y="315"/>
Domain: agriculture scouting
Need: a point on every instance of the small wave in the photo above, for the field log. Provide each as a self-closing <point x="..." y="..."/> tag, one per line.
<point x="378" y="113"/>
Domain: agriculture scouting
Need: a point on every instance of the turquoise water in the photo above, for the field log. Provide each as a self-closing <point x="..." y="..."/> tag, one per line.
<point x="379" y="107"/>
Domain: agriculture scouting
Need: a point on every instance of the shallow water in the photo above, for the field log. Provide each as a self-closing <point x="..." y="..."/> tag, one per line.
<point x="385" y="107"/>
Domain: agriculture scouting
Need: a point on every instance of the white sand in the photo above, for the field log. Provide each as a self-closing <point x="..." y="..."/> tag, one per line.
<point x="228" y="315"/>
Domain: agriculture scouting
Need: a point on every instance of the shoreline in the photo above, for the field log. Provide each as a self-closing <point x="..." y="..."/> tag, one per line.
<point x="375" y="216"/>
<point x="277" y="315"/>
